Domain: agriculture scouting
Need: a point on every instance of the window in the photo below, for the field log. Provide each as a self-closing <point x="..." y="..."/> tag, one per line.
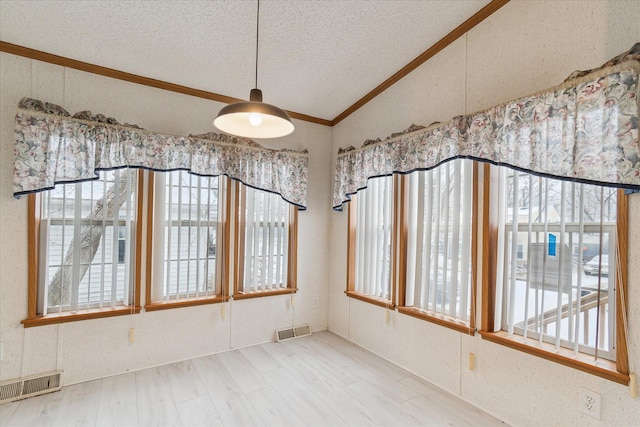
<point x="562" y="296"/>
<point x="81" y="249"/>
<point x="86" y="244"/>
<point x="371" y="242"/>
<point x="440" y="234"/>
<point x="266" y="239"/>
<point x="187" y="234"/>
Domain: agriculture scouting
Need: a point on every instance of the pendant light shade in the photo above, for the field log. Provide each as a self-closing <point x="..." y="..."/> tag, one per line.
<point x="254" y="119"/>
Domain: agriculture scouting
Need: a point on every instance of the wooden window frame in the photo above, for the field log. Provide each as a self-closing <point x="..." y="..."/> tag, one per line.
<point x="617" y="371"/>
<point x="34" y="244"/>
<point x="151" y="305"/>
<point x="352" y="223"/>
<point x="429" y="316"/>
<point x="239" y="235"/>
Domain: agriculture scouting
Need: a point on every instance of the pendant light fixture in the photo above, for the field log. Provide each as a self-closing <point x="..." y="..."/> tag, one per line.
<point x="254" y="119"/>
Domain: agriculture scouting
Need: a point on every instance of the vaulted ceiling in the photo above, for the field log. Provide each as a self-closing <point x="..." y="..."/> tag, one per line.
<point x="317" y="57"/>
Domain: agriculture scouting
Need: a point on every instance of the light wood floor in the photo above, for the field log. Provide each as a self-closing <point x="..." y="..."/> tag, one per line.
<point x="320" y="380"/>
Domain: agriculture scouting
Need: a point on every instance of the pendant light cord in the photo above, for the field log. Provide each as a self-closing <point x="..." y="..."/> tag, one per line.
<point x="257" y="39"/>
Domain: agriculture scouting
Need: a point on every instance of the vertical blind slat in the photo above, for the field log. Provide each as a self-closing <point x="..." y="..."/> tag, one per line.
<point x="159" y="236"/>
<point x="580" y="262"/>
<point x="428" y="243"/>
<point x="103" y="265"/>
<point x="199" y="261"/>
<point x="189" y="261"/>
<point x="560" y="255"/>
<point x="209" y="238"/>
<point x="417" y="237"/>
<point x="90" y="266"/>
<point x="361" y="237"/>
<point x="285" y="244"/>
<point x="376" y="230"/>
<point x="436" y="259"/>
<point x="528" y="284"/>
<point x="45" y="236"/>
<point x="77" y="246"/>
<point x="278" y="234"/>
<point x="168" y="259"/>
<point x="179" y="232"/>
<point x="445" y="237"/>
<point x="384" y="241"/>
<point x="131" y="180"/>
<point x="513" y="255"/>
<point x="465" y="257"/>
<point x="114" y="244"/>
<point x="368" y="249"/>
<point x="249" y="239"/>
<point x="455" y="241"/>
<point x="63" y="246"/>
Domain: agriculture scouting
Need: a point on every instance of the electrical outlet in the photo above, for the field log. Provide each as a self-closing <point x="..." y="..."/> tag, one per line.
<point x="315" y="302"/>
<point x="590" y="403"/>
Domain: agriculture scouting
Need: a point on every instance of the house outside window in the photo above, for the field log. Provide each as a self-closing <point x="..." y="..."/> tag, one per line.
<point x="82" y="250"/>
<point x="188" y="224"/>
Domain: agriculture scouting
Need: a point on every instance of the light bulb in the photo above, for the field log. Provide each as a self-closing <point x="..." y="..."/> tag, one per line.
<point x="255" y="119"/>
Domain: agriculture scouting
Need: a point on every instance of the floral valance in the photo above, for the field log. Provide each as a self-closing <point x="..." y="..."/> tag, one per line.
<point x="583" y="130"/>
<point x="54" y="147"/>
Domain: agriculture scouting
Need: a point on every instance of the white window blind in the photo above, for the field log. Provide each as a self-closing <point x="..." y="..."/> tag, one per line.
<point x="557" y="262"/>
<point x="373" y="238"/>
<point x="266" y="241"/>
<point x="87" y="233"/>
<point x="439" y="258"/>
<point x="186" y="230"/>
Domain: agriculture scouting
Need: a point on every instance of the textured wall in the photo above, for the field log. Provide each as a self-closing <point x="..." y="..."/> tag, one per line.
<point x="96" y="348"/>
<point x="524" y="47"/>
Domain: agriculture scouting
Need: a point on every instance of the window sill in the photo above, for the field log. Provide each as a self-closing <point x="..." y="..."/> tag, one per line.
<point x="74" y="316"/>
<point x="603" y="368"/>
<point x="167" y="305"/>
<point x="381" y="302"/>
<point x="257" y="294"/>
<point x="438" y="319"/>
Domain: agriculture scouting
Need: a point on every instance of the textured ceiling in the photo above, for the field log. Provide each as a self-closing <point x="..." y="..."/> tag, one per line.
<point x="316" y="57"/>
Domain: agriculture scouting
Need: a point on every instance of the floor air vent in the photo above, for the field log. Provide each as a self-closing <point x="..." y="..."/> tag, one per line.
<point x="295" y="332"/>
<point x="30" y="386"/>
